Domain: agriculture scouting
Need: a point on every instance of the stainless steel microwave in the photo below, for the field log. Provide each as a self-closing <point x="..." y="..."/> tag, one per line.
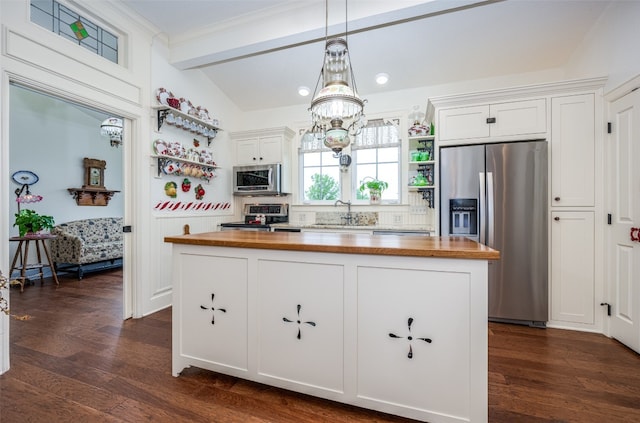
<point x="262" y="179"/>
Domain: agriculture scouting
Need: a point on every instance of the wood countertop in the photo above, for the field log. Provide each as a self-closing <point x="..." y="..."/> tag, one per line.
<point x="388" y="245"/>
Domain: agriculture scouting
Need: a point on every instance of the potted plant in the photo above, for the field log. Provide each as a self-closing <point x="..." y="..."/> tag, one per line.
<point x="375" y="187"/>
<point x="28" y="221"/>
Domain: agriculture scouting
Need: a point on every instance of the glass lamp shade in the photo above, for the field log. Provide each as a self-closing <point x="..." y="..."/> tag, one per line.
<point x="336" y="139"/>
<point x="337" y="110"/>
<point x="337" y="99"/>
<point x="336" y="102"/>
<point x="29" y="198"/>
<point x="112" y="127"/>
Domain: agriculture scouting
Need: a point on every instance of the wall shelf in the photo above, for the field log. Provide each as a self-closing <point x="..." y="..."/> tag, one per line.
<point x="208" y="170"/>
<point x="423" y="169"/>
<point x="162" y="112"/>
<point x="91" y="196"/>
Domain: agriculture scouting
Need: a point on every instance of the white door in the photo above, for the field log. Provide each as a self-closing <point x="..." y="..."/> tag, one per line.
<point x="624" y="188"/>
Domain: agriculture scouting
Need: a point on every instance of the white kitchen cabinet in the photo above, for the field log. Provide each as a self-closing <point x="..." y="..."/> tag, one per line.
<point x="572" y="267"/>
<point x="399" y="334"/>
<point x="262" y="146"/>
<point x="301" y="323"/>
<point x="213" y="312"/>
<point x="573" y="151"/>
<point x="526" y="119"/>
<point x="406" y="354"/>
<point x="259" y="150"/>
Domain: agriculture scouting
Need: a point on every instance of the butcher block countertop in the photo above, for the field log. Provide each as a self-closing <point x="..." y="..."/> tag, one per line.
<point x="388" y="245"/>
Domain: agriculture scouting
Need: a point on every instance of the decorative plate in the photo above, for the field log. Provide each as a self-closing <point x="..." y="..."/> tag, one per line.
<point x="23" y="177"/>
<point x="163" y="96"/>
<point x="160" y="147"/>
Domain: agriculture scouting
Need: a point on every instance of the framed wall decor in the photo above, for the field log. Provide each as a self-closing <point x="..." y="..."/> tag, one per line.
<point x="94" y="173"/>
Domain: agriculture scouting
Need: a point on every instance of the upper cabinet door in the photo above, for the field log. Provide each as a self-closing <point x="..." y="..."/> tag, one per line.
<point x="463" y="123"/>
<point x="247" y="151"/>
<point x="259" y="150"/>
<point x="271" y="149"/>
<point x="572" y="151"/>
<point x="525" y="119"/>
<point x="519" y="118"/>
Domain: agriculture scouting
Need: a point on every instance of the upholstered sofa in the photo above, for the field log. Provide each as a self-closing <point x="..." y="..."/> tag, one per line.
<point x="83" y="242"/>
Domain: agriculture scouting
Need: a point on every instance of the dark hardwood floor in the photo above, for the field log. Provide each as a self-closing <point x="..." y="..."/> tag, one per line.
<point x="74" y="360"/>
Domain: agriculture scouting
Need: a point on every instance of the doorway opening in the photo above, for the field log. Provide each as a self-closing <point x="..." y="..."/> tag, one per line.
<point x="49" y="140"/>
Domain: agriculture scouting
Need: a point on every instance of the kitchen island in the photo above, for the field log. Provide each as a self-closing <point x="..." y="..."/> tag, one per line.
<point x="391" y="323"/>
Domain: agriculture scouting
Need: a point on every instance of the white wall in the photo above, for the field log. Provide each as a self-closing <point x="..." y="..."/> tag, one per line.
<point x="610" y="48"/>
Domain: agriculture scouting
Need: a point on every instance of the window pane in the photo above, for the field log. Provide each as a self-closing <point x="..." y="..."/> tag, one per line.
<point x="109" y="40"/>
<point x="389" y="173"/>
<point x="366" y="156"/>
<point x="388" y="154"/>
<point x="55" y="17"/>
<point x="42" y="16"/>
<point x="363" y="171"/>
<point x="382" y="164"/>
<point x="311" y="159"/>
<point x="321" y="176"/>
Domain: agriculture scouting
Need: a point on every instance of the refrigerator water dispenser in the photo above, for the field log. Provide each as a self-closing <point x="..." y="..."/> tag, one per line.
<point x="463" y="216"/>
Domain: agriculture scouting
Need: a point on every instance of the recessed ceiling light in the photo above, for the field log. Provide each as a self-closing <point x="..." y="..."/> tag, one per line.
<point x="304" y="91"/>
<point x="382" y="78"/>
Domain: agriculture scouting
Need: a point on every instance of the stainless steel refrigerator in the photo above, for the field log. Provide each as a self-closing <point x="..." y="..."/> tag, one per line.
<point x="497" y="194"/>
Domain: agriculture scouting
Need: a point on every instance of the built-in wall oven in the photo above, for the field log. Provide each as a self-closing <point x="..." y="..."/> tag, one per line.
<point x="259" y="217"/>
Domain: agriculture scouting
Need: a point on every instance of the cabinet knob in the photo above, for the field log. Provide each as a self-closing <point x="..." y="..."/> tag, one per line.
<point x="556" y="199"/>
<point x="557" y="219"/>
<point x="261" y="158"/>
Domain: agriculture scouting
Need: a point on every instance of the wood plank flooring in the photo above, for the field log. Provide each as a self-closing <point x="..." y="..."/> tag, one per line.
<point x="75" y="360"/>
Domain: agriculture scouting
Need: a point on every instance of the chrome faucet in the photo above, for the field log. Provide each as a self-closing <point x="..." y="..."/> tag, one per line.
<point x="349" y="218"/>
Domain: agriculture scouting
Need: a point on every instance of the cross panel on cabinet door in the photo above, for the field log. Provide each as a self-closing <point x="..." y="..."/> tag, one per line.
<point x="301" y="323"/>
<point x="214" y="310"/>
<point x="409" y="351"/>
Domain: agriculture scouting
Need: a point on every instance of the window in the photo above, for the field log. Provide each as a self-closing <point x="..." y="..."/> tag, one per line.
<point x="376" y="154"/>
<point x="320" y="171"/>
<point x="57" y="18"/>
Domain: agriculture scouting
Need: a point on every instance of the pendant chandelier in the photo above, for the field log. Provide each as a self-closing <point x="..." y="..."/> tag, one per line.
<point x="336" y="110"/>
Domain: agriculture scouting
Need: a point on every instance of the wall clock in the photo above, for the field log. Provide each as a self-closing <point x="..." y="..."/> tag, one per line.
<point x="94" y="173"/>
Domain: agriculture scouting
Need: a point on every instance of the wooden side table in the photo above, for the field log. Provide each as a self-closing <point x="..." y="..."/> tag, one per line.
<point x="22" y="252"/>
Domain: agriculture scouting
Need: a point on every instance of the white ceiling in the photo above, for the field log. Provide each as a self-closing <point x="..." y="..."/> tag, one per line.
<point x="260" y="51"/>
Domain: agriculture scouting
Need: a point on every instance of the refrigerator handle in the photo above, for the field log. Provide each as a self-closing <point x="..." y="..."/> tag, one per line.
<point x="490" y="210"/>
<point x="481" y="210"/>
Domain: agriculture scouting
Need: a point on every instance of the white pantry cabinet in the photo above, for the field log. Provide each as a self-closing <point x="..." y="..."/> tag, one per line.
<point x="262" y="146"/>
<point x="573" y="267"/>
<point x="526" y="119"/>
<point x="573" y="151"/>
